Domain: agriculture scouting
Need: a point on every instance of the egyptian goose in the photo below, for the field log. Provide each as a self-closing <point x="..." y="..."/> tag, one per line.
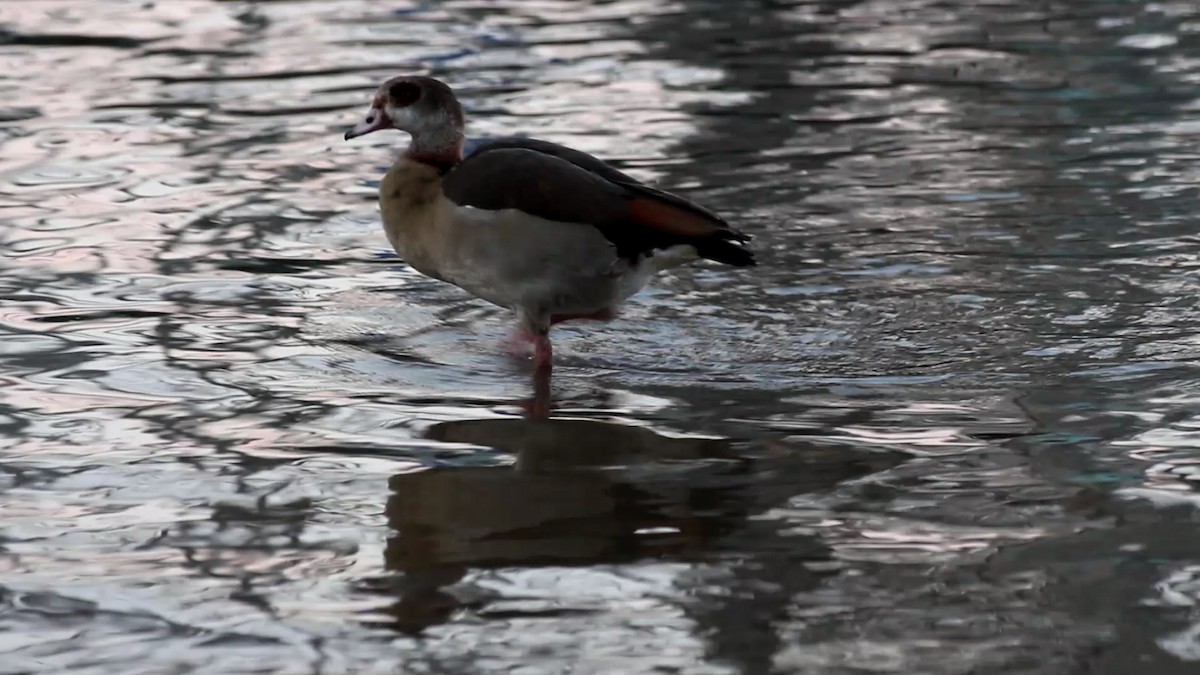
<point x="550" y="232"/>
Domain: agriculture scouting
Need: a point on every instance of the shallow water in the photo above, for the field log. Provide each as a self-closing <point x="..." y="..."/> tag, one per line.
<point x="948" y="425"/>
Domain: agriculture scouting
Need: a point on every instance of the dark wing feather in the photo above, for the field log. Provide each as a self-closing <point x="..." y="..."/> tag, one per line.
<point x="564" y="185"/>
<point x="537" y="184"/>
<point x="579" y="158"/>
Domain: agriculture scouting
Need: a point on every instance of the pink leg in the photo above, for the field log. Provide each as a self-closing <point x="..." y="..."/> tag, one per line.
<point x="543" y="354"/>
<point x="517" y="343"/>
<point x="538" y="407"/>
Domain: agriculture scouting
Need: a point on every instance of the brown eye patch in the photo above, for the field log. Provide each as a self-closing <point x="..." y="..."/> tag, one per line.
<point x="404" y="93"/>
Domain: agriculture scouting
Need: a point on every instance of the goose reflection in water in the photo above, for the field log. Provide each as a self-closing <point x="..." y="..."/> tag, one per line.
<point x="580" y="492"/>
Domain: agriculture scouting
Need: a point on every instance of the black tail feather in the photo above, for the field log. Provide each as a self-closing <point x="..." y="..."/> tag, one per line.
<point x="728" y="250"/>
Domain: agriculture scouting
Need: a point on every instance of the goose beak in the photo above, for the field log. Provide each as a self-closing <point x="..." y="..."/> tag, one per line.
<point x="376" y="119"/>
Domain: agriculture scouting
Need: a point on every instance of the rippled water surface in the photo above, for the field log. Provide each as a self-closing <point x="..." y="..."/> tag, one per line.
<point x="948" y="426"/>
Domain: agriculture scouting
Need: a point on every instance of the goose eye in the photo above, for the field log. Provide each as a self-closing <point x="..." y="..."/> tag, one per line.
<point x="404" y="94"/>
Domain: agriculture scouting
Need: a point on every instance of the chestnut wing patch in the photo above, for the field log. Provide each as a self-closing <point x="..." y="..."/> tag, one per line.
<point x="669" y="218"/>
